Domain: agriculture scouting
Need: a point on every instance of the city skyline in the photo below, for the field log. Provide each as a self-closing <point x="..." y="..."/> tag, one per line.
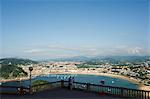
<point x="52" y="28"/>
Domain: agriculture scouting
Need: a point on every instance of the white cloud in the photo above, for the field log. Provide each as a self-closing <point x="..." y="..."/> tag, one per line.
<point x="79" y="49"/>
<point x="68" y="51"/>
<point x="131" y="50"/>
<point x="135" y="50"/>
<point x="33" y="51"/>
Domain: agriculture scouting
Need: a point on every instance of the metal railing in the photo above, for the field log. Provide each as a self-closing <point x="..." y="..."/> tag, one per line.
<point x="14" y="90"/>
<point x="46" y="86"/>
<point x="110" y="90"/>
<point x="88" y="87"/>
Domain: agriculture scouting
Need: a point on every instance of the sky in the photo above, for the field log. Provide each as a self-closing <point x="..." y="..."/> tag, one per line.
<point x="42" y="29"/>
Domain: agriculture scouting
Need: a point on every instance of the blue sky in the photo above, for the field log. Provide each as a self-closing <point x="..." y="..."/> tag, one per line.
<point x="65" y="28"/>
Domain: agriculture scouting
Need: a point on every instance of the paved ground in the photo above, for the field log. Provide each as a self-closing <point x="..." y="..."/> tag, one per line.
<point x="60" y="94"/>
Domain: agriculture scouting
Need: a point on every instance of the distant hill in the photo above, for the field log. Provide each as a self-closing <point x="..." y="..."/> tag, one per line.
<point x="109" y="59"/>
<point x="75" y="59"/>
<point x="12" y="70"/>
<point x="17" y="61"/>
<point x="119" y="59"/>
<point x="132" y="59"/>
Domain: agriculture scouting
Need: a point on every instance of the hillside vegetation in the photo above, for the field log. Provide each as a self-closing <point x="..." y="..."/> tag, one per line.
<point x="9" y="67"/>
<point x="16" y="61"/>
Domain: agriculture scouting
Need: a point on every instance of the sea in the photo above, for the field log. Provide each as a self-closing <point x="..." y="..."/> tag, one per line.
<point x="93" y="79"/>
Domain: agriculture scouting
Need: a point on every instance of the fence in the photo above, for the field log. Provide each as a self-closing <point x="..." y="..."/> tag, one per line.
<point x="110" y="90"/>
<point x="46" y="86"/>
<point x="100" y="89"/>
<point x="14" y="90"/>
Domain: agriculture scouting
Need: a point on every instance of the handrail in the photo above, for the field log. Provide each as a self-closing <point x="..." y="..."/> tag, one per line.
<point x="46" y="83"/>
<point x="14" y="87"/>
<point x="110" y="86"/>
<point x="112" y="90"/>
<point x="74" y="82"/>
<point x="144" y="94"/>
<point x="119" y="91"/>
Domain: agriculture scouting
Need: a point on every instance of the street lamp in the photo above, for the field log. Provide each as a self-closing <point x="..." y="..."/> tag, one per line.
<point x="30" y="69"/>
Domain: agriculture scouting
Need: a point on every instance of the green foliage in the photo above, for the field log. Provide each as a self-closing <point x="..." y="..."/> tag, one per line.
<point x="38" y="82"/>
<point x="11" y="71"/>
<point x="87" y="66"/>
<point x="118" y="60"/>
<point x="82" y="66"/>
<point x="94" y="62"/>
<point x="40" y="85"/>
<point x="16" y="61"/>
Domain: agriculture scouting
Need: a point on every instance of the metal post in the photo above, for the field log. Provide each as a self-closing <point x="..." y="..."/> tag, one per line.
<point x="88" y="87"/>
<point x="30" y="69"/>
<point x="122" y="92"/>
<point x="148" y="95"/>
<point x="30" y="78"/>
<point x="62" y="83"/>
<point x="30" y="84"/>
<point x="102" y="83"/>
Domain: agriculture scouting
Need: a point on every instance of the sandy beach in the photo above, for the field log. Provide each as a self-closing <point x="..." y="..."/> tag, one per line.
<point x="14" y="79"/>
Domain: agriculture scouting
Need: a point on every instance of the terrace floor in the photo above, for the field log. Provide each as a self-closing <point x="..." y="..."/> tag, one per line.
<point x="60" y="93"/>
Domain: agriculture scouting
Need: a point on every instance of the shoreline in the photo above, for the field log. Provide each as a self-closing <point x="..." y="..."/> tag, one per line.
<point x="131" y="79"/>
<point x="13" y="79"/>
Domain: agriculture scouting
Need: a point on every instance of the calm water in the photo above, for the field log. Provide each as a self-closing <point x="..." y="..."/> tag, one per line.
<point x="79" y="78"/>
